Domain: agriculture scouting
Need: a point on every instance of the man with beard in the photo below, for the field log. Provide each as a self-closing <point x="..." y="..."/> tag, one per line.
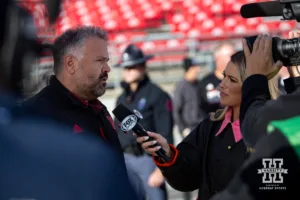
<point x="71" y="98"/>
<point x="80" y="73"/>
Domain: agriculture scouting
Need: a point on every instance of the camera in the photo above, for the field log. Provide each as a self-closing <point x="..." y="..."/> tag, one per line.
<point x="287" y="51"/>
<point x="19" y="45"/>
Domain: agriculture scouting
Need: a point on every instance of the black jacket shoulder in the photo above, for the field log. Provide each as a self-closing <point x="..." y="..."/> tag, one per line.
<point x="151" y="89"/>
<point x="157" y="91"/>
<point x="41" y="102"/>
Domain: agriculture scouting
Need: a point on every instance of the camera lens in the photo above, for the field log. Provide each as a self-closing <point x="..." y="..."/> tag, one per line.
<point x="287" y="51"/>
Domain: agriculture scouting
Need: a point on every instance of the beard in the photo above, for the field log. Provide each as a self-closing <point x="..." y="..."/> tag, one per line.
<point x="92" y="86"/>
<point x="99" y="90"/>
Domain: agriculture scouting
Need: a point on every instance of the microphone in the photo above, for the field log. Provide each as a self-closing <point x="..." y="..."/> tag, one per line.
<point x="129" y="121"/>
<point x="263" y="9"/>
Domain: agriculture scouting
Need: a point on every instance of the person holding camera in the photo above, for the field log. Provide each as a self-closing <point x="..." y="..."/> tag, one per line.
<point x="209" y="156"/>
<point x="278" y="138"/>
<point x="257" y="108"/>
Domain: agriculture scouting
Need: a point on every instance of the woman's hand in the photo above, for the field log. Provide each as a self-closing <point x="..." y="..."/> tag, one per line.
<point x="162" y="143"/>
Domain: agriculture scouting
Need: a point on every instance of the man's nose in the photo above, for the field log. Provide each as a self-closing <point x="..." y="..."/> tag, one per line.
<point x="106" y="68"/>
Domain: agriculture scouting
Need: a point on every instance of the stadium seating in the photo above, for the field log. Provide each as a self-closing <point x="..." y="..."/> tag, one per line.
<point x="129" y="19"/>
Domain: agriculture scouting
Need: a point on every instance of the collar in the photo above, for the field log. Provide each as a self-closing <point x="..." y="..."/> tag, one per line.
<point x="95" y="104"/>
<point x="235" y="126"/>
<point x="84" y="102"/>
<point x="143" y="82"/>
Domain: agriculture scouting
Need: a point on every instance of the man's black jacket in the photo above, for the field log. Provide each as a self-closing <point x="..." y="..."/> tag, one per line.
<point x="59" y="104"/>
<point x="257" y="110"/>
<point x="154" y="104"/>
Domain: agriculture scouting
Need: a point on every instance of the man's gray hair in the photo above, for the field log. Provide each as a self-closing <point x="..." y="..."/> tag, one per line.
<point x="71" y="41"/>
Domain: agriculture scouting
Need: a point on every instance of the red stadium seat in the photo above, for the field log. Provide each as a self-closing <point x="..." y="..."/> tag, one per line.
<point x="128" y="20"/>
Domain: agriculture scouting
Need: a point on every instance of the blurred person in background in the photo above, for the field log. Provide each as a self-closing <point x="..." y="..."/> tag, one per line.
<point x="209" y="156"/>
<point x="187" y="99"/>
<point x="156" y="107"/>
<point x="210" y="92"/>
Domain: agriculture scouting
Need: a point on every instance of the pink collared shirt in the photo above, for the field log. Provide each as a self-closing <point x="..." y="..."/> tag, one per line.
<point x="235" y="126"/>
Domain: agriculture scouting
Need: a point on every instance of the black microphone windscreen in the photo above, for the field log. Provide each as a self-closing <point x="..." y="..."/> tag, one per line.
<point x="263" y="9"/>
<point x="121" y="112"/>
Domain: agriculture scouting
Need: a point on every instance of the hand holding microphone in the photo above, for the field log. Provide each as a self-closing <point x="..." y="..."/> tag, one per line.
<point x="158" y="140"/>
<point x="129" y="121"/>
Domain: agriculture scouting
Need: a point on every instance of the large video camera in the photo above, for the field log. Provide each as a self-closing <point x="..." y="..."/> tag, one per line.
<point x="19" y="46"/>
<point x="285" y="50"/>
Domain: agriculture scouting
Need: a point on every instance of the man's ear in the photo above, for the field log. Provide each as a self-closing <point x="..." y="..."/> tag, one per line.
<point x="70" y="63"/>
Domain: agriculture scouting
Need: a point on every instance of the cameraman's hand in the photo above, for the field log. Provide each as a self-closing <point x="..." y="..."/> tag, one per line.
<point x="293" y="71"/>
<point x="260" y="61"/>
<point x="162" y="143"/>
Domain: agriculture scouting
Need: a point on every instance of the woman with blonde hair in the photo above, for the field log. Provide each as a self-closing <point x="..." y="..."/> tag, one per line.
<point x="210" y="155"/>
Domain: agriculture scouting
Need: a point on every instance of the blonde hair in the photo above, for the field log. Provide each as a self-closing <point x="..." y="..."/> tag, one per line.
<point x="239" y="60"/>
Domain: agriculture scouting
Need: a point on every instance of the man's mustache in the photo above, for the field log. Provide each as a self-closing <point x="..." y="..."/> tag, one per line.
<point x="103" y="76"/>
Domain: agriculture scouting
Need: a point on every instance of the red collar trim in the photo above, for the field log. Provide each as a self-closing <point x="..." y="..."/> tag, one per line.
<point x="85" y="103"/>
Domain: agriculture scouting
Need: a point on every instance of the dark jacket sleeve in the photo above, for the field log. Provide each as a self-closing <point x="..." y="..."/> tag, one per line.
<point x="292" y="84"/>
<point x="163" y="118"/>
<point x="257" y="110"/>
<point x="184" y="173"/>
<point x="178" y="101"/>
